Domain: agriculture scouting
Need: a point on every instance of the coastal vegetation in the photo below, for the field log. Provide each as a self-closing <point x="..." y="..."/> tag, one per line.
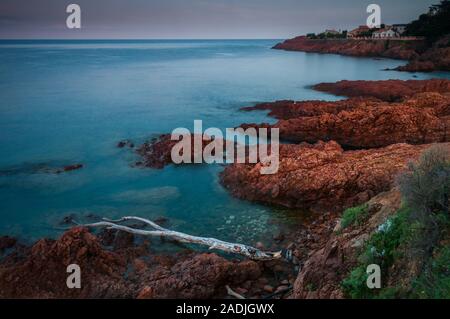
<point x="433" y="24"/>
<point x="412" y="246"/>
<point x="425" y="42"/>
<point x="354" y="216"/>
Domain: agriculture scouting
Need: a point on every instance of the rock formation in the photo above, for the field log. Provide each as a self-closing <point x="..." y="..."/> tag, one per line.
<point x="326" y="267"/>
<point x="421" y="57"/>
<point x="394" y="49"/>
<point x="435" y="58"/>
<point x="39" y="271"/>
<point x="321" y="175"/>
<point x="388" y="90"/>
<point x="365" y="122"/>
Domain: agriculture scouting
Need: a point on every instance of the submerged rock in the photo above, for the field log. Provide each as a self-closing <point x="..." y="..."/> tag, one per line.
<point x="70" y="168"/>
<point x="6" y="242"/>
<point x="125" y="143"/>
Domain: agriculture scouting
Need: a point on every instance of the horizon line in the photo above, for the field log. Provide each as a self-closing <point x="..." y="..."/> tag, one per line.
<point x="131" y="39"/>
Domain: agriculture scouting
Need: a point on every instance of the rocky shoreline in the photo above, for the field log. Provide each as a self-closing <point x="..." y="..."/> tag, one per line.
<point x="421" y="57"/>
<point x="356" y="149"/>
<point x="420" y="114"/>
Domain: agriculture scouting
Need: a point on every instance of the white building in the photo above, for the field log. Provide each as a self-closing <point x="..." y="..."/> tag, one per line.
<point x="385" y="34"/>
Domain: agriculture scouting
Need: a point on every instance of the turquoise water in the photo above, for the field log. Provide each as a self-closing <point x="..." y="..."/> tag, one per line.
<point x="71" y="102"/>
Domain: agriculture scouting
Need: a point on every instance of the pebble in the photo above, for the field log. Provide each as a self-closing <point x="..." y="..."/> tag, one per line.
<point x="280" y="288"/>
<point x="268" y="288"/>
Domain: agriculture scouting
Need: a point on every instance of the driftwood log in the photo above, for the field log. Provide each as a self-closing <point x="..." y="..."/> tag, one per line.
<point x="158" y="231"/>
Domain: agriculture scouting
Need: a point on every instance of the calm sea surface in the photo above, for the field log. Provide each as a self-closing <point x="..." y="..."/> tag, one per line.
<point x="67" y="102"/>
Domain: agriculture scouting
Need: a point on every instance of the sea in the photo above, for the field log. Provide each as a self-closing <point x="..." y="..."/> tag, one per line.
<point x="70" y="102"/>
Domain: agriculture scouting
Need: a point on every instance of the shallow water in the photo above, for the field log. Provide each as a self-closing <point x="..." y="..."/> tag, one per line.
<point x="71" y="102"/>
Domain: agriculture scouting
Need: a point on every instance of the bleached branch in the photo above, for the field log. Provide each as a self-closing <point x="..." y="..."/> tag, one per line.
<point x="212" y="243"/>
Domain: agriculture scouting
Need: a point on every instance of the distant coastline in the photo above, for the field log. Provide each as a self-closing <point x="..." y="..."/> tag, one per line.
<point x="420" y="57"/>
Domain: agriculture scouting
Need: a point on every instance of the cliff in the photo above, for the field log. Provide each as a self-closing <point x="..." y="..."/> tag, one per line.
<point x="394" y="49"/>
<point x="421" y="57"/>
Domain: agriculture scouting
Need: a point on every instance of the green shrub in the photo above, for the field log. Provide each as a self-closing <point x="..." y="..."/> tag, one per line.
<point x="354" y="216"/>
<point x="413" y="233"/>
<point x="355" y="286"/>
<point x="381" y="249"/>
<point x="426" y="184"/>
<point x="434" y="282"/>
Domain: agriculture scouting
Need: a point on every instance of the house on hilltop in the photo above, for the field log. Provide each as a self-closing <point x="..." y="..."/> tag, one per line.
<point x="358" y="32"/>
<point x="385" y="33"/>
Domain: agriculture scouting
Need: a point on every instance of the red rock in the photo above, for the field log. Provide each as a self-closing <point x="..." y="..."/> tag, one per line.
<point x="369" y="127"/>
<point x="157" y="153"/>
<point x="268" y="288"/>
<point x="363" y="122"/>
<point x="422" y="58"/>
<point x="40" y="271"/>
<point x="70" y="168"/>
<point x="281" y="288"/>
<point x="389" y="90"/>
<point x="434" y="58"/>
<point x="241" y="291"/>
<point x="286" y="110"/>
<point x="328" y="265"/>
<point x="321" y="175"/>
<point x="367" y="48"/>
<point x="198" y="277"/>
<point x="139" y="265"/>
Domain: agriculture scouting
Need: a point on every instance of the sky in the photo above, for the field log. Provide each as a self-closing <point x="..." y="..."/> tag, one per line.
<point x="194" y="19"/>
